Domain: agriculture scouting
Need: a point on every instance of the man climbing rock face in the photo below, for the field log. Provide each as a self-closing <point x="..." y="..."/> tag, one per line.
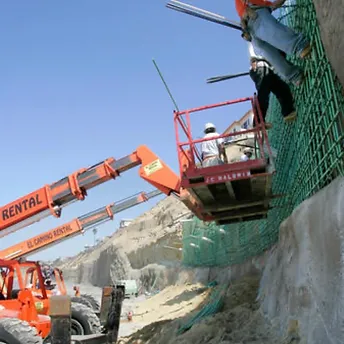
<point x="269" y="37"/>
<point x="266" y="81"/>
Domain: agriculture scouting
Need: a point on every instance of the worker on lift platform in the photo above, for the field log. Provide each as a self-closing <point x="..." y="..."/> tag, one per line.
<point x="247" y="154"/>
<point x="266" y="81"/>
<point x="212" y="150"/>
<point x="269" y="37"/>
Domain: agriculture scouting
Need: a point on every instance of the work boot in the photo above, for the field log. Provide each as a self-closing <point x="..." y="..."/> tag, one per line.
<point x="291" y="117"/>
<point x="305" y="52"/>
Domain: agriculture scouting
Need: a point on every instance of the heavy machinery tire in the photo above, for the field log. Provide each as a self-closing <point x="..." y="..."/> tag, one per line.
<point x="95" y="304"/>
<point x="15" y="331"/>
<point x="81" y="300"/>
<point x="84" y="320"/>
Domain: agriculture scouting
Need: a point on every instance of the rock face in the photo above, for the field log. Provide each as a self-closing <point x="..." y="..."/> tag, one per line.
<point x="330" y="16"/>
<point x="302" y="284"/>
<point x="138" y="251"/>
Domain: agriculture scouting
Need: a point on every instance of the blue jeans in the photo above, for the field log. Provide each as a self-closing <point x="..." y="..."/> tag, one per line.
<point x="269" y="36"/>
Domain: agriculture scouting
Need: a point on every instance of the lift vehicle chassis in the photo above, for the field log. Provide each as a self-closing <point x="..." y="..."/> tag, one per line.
<point x="110" y="314"/>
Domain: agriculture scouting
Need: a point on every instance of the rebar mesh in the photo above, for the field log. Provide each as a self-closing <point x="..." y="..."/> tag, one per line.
<point x="310" y="155"/>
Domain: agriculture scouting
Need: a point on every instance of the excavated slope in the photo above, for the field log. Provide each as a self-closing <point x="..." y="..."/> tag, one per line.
<point x="136" y="251"/>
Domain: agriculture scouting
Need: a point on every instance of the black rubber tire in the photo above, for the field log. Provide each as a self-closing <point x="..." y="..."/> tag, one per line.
<point x="84" y="320"/>
<point x="15" y="331"/>
<point x="95" y="304"/>
<point x="81" y="300"/>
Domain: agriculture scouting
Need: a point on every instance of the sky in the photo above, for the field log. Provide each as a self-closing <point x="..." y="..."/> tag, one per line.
<point x="78" y="86"/>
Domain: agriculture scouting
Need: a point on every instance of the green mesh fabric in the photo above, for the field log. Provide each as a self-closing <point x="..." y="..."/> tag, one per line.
<point x="310" y="155"/>
<point x="213" y="305"/>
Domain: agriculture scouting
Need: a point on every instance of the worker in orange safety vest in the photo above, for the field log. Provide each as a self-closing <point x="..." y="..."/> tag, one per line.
<point x="271" y="39"/>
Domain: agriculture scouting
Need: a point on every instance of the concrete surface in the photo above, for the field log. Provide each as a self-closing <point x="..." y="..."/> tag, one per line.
<point x="303" y="282"/>
<point x="330" y="14"/>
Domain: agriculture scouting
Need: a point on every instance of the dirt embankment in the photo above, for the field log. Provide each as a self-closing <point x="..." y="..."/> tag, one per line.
<point x="239" y="321"/>
<point x="139" y="251"/>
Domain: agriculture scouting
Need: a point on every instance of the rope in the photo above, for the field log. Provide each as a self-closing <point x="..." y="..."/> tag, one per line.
<point x="165" y="84"/>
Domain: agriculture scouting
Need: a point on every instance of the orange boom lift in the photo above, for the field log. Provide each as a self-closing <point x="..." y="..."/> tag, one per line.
<point x="28" y="275"/>
<point x="55" y="236"/>
<point x="50" y="199"/>
<point x="75" y="227"/>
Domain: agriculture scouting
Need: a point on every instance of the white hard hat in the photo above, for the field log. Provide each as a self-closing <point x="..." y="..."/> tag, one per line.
<point x="248" y="150"/>
<point x="209" y="126"/>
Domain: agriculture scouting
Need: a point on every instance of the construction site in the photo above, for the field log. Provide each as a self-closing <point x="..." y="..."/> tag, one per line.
<point x="247" y="250"/>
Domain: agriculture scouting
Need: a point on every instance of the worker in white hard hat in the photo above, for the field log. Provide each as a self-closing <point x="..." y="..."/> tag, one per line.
<point x="212" y="150"/>
<point x="247" y="154"/>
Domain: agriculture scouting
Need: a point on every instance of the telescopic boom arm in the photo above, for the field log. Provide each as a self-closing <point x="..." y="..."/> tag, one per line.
<point x="75" y="227"/>
<point x="51" y="198"/>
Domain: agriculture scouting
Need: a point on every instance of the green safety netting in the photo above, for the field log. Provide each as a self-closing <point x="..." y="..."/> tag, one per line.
<point x="310" y="155"/>
<point x="213" y="305"/>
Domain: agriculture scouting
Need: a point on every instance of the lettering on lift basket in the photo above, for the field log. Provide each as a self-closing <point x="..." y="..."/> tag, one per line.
<point x="56" y="233"/>
<point x="227" y="177"/>
<point x="20" y="207"/>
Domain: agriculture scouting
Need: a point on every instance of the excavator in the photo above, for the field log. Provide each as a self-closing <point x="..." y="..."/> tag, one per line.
<point x="18" y="308"/>
<point x="57" y="235"/>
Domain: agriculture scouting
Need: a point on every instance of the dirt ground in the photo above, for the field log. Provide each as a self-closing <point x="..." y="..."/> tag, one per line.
<point x="239" y="322"/>
<point x="156" y="319"/>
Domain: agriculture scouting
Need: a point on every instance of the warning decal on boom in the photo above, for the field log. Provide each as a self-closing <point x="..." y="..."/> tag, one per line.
<point x="153" y="167"/>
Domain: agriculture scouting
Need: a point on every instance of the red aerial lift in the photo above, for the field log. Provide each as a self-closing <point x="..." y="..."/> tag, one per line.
<point x="232" y="192"/>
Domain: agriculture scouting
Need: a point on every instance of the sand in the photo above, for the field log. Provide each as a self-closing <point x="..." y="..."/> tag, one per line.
<point x="239" y="322"/>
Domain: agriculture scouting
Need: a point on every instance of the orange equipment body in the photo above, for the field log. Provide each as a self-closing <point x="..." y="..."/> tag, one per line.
<point x="33" y="280"/>
<point x="230" y="192"/>
<point x="75" y="227"/>
<point x="130" y="316"/>
<point x="30" y="300"/>
<point x="19" y="302"/>
<point x="51" y="198"/>
<point x="77" y="291"/>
